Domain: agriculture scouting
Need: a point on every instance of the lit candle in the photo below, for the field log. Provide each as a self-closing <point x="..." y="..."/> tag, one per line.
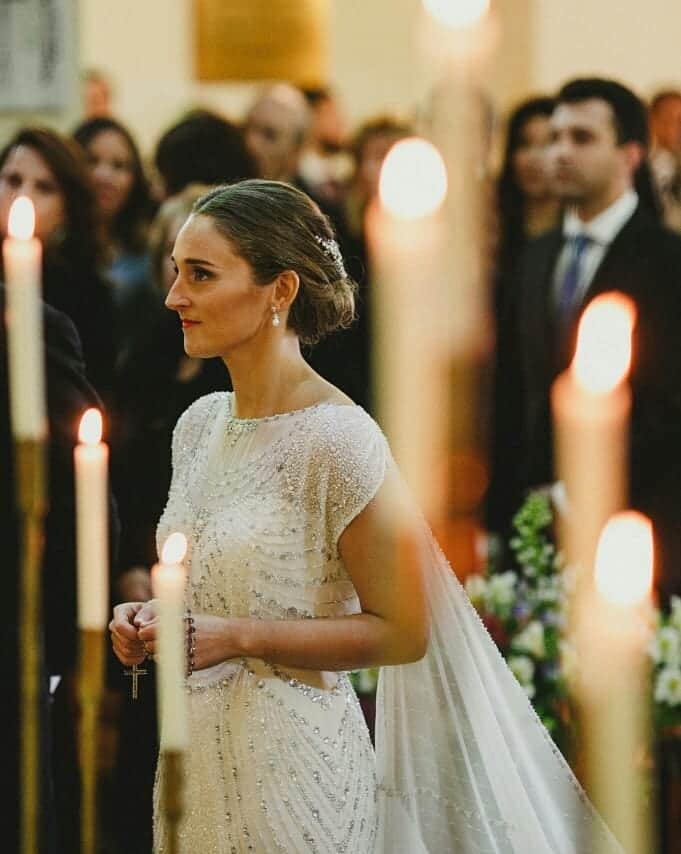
<point x="91" y="457"/>
<point x="406" y="237"/>
<point x="168" y="580"/>
<point x="591" y="403"/>
<point x="22" y="256"/>
<point x="613" y="683"/>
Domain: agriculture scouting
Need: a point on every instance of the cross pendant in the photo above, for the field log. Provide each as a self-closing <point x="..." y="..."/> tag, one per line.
<point x="135" y="672"/>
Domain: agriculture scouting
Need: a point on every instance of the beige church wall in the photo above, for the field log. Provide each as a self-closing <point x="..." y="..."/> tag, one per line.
<point x="636" y="42"/>
<point x="147" y="49"/>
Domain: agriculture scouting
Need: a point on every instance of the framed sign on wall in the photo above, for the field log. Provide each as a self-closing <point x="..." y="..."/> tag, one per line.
<point x="36" y="52"/>
<point x="261" y="40"/>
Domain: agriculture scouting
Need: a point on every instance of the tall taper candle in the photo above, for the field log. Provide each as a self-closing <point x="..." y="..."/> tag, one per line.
<point x="22" y="256"/>
<point x="91" y="457"/>
<point x="614" y="680"/>
<point x="591" y="404"/>
<point x="168" y="580"/>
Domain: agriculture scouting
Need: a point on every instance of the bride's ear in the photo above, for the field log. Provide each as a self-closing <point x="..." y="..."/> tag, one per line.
<point x="285" y="289"/>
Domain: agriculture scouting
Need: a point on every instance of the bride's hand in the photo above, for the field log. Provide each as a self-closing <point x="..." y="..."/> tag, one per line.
<point x="214" y="641"/>
<point x="127" y="645"/>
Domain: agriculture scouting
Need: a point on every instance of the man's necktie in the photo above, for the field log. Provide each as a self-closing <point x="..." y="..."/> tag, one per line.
<point x="572" y="277"/>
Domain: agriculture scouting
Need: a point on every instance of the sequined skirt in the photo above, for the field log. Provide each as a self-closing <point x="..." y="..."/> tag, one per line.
<point x="274" y="765"/>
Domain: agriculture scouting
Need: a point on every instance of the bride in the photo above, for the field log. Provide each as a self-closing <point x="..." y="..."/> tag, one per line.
<point x="305" y="561"/>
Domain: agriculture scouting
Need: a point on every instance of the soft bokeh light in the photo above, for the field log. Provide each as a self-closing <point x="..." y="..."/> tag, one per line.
<point x="90" y="430"/>
<point x="603" y="354"/>
<point x="457" y="13"/>
<point x="174" y="549"/>
<point x="21" y="222"/>
<point x="624" y="559"/>
<point x="413" y="180"/>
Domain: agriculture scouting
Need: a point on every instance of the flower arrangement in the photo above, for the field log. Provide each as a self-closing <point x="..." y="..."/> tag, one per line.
<point x="665" y="652"/>
<point x="524" y="611"/>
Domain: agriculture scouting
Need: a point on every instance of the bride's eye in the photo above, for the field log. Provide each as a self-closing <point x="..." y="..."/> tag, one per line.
<point x="199" y="274"/>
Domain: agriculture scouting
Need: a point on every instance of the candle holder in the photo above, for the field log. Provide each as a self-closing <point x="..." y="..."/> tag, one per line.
<point x="91" y="685"/>
<point x="172" y="796"/>
<point x="31" y="490"/>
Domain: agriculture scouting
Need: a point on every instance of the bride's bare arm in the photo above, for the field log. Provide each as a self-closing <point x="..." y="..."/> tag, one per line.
<point x="381" y="559"/>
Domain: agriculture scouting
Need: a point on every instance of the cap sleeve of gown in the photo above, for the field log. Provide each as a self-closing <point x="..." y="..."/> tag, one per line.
<point x="350" y="465"/>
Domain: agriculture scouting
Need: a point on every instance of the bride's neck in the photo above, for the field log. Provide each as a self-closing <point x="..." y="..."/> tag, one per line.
<point x="269" y="381"/>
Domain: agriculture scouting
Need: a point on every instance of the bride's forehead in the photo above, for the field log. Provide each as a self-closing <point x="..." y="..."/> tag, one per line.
<point x="200" y="233"/>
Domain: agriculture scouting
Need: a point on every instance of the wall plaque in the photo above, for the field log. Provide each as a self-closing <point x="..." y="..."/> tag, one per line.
<point x="262" y="40"/>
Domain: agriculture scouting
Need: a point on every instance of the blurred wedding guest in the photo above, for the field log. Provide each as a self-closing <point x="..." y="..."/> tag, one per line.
<point x="345" y="358"/>
<point x="69" y="394"/>
<point x="609" y="238"/>
<point x="526" y="202"/>
<point x="202" y="147"/>
<point x="527" y="206"/>
<point x="158" y="382"/>
<point x="125" y="210"/>
<point x="665" y="157"/>
<point x="276" y="131"/>
<point x="52" y="170"/>
<point x="96" y="94"/>
<point x="326" y="163"/>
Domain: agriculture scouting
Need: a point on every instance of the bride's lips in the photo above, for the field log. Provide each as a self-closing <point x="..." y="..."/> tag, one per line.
<point x="187" y="324"/>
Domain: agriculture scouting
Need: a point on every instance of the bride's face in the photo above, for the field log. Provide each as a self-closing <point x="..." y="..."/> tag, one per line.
<point x="220" y="305"/>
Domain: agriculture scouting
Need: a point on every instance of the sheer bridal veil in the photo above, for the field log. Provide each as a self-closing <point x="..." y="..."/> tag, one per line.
<point x="464" y="764"/>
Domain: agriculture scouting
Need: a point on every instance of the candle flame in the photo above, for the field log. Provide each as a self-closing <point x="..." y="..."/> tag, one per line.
<point x="413" y="181"/>
<point x="624" y="559"/>
<point x="457" y="14"/>
<point x="90" y="430"/>
<point x="21" y="223"/>
<point x="603" y="355"/>
<point x="174" y="549"/>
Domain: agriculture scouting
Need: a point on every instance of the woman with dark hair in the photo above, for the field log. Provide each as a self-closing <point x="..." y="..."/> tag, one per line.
<point x="346" y="359"/>
<point x="525" y="203"/>
<point x="526" y="208"/>
<point x="52" y="171"/>
<point x="307" y="559"/>
<point x="201" y="147"/>
<point x="125" y="209"/>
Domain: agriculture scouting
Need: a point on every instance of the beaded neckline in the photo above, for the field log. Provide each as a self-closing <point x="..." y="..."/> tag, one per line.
<point x="263" y="419"/>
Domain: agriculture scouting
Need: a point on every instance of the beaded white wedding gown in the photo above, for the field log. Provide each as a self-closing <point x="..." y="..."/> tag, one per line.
<point x="281" y="760"/>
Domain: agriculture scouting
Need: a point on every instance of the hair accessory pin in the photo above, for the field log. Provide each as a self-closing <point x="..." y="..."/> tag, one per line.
<point x="332" y="251"/>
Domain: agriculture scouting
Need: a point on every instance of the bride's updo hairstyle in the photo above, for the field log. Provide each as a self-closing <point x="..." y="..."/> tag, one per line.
<point x="275" y="227"/>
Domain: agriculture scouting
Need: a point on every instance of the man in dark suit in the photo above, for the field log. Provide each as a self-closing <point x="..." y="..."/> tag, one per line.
<point x="69" y="395"/>
<point x="610" y="239"/>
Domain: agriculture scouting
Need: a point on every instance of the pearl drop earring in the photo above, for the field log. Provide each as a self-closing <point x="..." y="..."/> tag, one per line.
<point x="275" y="316"/>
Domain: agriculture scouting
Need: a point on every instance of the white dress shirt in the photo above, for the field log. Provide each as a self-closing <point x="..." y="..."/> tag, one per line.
<point x="601" y="231"/>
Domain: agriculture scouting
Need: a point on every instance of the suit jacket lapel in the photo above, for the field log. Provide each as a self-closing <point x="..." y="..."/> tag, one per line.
<point x="610" y="274"/>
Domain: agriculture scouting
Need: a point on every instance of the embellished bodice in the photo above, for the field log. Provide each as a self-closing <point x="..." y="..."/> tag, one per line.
<point x="262" y="503"/>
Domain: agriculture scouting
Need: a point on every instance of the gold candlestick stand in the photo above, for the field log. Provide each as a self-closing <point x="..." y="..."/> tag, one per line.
<point x="31" y="492"/>
<point x="91" y="685"/>
<point x="172" y="796"/>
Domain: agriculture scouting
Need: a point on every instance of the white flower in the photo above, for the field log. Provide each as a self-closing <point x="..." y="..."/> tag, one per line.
<point x="476" y="588"/>
<point x="675" y="615"/>
<point x="500" y="591"/>
<point x="522" y="668"/>
<point x="668" y="686"/>
<point x="666" y="646"/>
<point x="568" y="658"/>
<point x="531" y="639"/>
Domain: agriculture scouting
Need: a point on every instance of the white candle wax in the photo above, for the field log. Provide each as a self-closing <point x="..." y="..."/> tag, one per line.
<point x="591" y="405"/>
<point x="22" y="256"/>
<point x="406" y="235"/>
<point x="614" y="678"/>
<point x="91" y="458"/>
<point x="168" y="579"/>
